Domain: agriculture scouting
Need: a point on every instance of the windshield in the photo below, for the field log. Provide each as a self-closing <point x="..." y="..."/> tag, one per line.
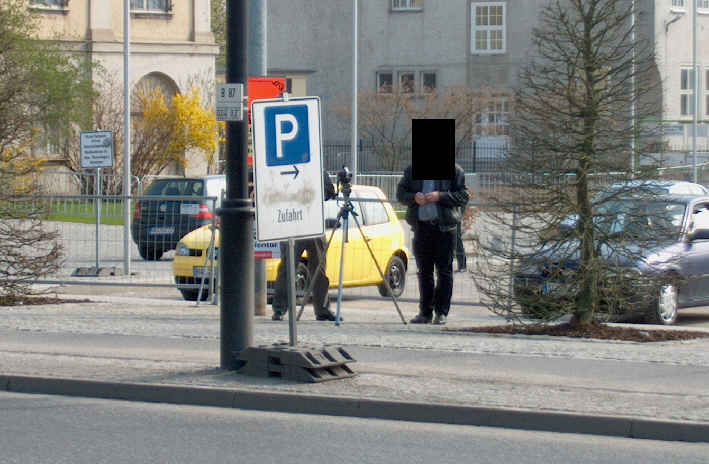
<point x="644" y="219"/>
<point x="177" y="187"/>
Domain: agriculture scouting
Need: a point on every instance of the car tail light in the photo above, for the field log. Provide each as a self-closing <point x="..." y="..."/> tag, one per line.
<point x="136" y="211"/>
<point x="204" y="212"/>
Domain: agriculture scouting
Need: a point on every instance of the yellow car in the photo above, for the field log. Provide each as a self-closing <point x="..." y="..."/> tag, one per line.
<point x="380" y="226"/>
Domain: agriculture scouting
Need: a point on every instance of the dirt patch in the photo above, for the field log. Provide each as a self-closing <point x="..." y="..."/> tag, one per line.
<point x="7" y="300"/>
<point x="595" y="331"/>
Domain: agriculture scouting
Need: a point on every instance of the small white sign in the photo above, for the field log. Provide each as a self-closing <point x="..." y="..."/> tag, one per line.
<point x="230" y="102"/>
<point x="96" y="149"/>
<point x="288" y="168"/>
<point x="266" y="250"/>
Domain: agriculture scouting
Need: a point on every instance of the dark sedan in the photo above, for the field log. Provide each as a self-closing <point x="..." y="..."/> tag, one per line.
<point x="659" y="260"/>
<point x="170" y="209"/>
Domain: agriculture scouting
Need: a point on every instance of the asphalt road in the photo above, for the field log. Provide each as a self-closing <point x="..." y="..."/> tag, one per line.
<point x="49" y="429"/>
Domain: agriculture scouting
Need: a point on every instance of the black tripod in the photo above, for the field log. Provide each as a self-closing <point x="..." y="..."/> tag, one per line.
<point x="343" y="215"/>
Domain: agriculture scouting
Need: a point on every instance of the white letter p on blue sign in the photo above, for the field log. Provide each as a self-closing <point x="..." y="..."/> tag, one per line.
<point x="282" y="136"/>
<point x="287" y="135"/>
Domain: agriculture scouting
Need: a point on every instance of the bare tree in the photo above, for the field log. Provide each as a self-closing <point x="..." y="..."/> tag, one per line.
<point x="586" y="83"/>
<point x="385" y="118"/>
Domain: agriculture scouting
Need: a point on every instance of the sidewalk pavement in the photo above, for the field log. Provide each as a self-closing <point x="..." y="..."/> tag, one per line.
<point x="166" y="350"/>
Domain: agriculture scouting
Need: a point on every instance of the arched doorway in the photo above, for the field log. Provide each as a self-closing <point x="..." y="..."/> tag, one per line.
<point x="147" y="85"/>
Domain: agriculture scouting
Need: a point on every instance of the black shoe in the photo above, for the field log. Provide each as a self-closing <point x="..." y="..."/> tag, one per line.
<point x="277" y="317"/>
<point x="326" y="317"/>
<point x="439" y="319"/>
<point x="421" y="319"/>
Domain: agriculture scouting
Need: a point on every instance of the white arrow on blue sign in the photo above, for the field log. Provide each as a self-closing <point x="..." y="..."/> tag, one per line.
<point x="287" y="168"/>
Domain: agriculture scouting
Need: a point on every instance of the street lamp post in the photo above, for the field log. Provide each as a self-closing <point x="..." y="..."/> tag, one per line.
<point x="355" y="37"/>
<point x="126" y="138"/>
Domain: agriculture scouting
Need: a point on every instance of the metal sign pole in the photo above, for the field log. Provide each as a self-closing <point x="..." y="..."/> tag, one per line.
<point x="292" y="333"/>
<point x="97" y="191"/>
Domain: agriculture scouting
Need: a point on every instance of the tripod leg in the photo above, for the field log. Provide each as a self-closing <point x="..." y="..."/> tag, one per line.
<point x="381" y="274"/>
<point x="309" y="289"/>
<point x="342" y="269"/>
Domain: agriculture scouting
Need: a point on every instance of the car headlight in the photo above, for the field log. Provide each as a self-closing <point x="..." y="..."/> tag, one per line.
<point x="182" y="250"/>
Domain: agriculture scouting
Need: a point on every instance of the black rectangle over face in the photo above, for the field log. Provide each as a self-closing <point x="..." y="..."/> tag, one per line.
<point x="433" y="149"/>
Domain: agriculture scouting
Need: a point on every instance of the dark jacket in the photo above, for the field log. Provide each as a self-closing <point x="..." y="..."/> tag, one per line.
<point x="454" y="198"/>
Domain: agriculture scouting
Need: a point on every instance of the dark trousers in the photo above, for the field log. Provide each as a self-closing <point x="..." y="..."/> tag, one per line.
<point x="316" y="253"/>
<point x="433" y="249"/>
<point x="460" y="249"/>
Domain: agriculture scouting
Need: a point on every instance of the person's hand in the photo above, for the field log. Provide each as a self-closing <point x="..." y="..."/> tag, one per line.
<point x="420" y="199"/>
<point x="433" y="197"/>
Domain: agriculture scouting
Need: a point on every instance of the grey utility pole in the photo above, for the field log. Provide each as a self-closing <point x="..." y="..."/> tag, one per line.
<point x="236" y="260"/>
<point x="126" y="139"/>
<point x="257" y="62"/>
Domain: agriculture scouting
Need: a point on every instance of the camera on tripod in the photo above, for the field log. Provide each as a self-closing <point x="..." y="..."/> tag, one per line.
<point x="344" y="181"/>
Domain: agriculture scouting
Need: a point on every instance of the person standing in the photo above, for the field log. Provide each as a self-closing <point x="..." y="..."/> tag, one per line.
<point x="434" y="210"/>
<point x="315" y="247"/>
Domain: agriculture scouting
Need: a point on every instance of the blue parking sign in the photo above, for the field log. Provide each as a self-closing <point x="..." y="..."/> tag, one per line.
<point x="288" y="182"/>
<point x="287" y="135"/>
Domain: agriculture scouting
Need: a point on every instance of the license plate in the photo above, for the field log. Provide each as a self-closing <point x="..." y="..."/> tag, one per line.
<point x="189" y="209"/>
<point x="556" y="289"/>
<point x="201" y="271"/>
<point x="161" y="230"/>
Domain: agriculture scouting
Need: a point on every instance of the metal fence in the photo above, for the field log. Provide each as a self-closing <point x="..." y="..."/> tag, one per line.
<point x="480" y="156"/>
<point x="94" y="251"/>
<point x="90" y="243"/>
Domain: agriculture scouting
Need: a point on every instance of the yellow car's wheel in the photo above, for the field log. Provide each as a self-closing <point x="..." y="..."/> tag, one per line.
<point x="396" y="276"/>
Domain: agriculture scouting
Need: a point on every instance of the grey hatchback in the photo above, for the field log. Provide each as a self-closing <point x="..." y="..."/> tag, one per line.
<point x="171" y="208"/>
<point x="672" y="274"/>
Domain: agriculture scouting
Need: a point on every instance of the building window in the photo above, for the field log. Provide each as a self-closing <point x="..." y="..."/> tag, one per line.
<point x="488" y="34"/>
<point x="406" y="5"/>
<point x="428" y="82"/>
<point x="407" y="82"/>
<point x="678" y="5"/>
<point x="385" y="82"/>
<point x="49" y="3"/>
<point x="495" y="120"/>
<point x="686" y="92"/>
<point x="703" y="4"/>
<point x="161" y="6"/>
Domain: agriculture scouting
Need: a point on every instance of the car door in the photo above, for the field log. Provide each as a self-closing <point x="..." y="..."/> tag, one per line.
<point x="379" y="235"/>
<point x="695" y="262"/>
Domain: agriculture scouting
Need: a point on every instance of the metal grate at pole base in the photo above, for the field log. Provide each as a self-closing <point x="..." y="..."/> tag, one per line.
<point x="302" y="363"/>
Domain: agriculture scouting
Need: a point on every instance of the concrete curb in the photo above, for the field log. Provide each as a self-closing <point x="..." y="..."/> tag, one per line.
<point x="628" y="427"/>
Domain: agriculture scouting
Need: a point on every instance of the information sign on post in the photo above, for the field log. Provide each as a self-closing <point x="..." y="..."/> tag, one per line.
<point x="96" y="149"/>
<point x="288" y="168"/>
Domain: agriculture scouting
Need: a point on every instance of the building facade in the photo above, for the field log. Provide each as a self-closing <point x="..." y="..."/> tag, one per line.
<point x="171" y="42"/>
<point x="417" y="45"/>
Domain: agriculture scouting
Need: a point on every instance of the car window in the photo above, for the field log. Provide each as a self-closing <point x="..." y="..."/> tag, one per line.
<point x="649" y="220"/>
<point x="177" y="187"/>
<point x="374" y="213"/>
<point x="332" y="209"/>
